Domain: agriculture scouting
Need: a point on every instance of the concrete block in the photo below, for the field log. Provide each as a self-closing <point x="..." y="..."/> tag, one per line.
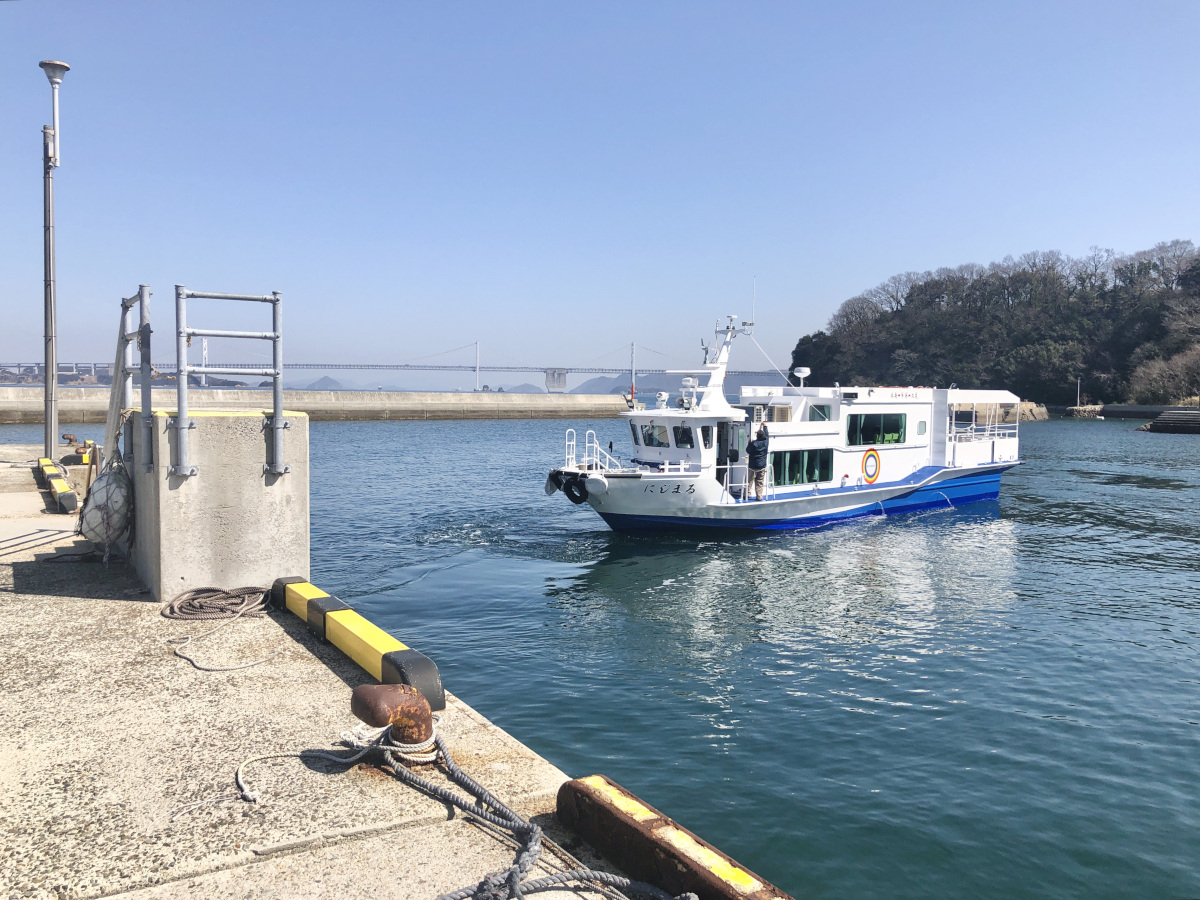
<point x="232" y="524"/>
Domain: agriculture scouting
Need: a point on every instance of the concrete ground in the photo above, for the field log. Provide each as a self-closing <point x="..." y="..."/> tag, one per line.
<point x="106" y="738"/>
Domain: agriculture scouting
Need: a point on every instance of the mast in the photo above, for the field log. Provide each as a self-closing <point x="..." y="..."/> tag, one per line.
<point x="632" y="371"/>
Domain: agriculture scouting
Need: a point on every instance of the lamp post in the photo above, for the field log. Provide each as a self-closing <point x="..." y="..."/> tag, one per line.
<point x="54" y="72"/>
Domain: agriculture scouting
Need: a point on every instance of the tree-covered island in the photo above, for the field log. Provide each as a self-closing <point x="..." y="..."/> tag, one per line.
<point x="1127" y="325"/>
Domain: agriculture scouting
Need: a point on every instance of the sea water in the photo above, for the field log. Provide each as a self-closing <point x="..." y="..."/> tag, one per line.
<point x="1001" y="700"/>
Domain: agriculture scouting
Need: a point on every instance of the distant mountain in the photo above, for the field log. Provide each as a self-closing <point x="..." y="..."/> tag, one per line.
<point x="525" y="388"/>
<point x="326" y="384"/>
<point x="602" y="384"/>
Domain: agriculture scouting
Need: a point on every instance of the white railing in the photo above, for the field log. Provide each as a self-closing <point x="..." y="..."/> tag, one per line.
<point x="569" y="452"/>
<point x="992" y="431"/>
<point x="595" y="456"/>
<point x="740" y="492"/>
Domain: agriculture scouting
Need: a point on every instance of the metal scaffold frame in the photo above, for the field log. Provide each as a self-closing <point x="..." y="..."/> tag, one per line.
<point x="140" y="336"/>
<point x="183" y="369"/>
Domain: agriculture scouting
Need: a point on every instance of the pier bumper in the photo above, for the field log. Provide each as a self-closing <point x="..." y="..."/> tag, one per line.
<point x="651" y="847"/>
<point x="386" y="659"/>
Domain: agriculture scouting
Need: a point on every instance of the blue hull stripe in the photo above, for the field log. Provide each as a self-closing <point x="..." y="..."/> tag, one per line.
<point x="942" y="494"/>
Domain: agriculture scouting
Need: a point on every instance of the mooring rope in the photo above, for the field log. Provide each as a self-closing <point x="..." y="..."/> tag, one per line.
<point x="483" y="805"/>
<point x="509" y="884"/>
<point x="366" y="741"/>
<point x="251" y="602"/>
<point x="209" y="604"/>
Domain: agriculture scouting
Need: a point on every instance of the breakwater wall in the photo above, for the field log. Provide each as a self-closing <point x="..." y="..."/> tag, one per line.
<point x="1115" y="411"/>
<point x="25" y="405"/>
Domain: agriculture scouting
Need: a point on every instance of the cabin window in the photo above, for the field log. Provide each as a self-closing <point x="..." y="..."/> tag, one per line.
<point x="875" y="428"/>
<point x="920" y="428"/>
<point x="683" y="437"/>
<point x="633" y="429"/>
<point x="818" y="412"/>
<point x="655" y="436"/>
<point x="802" y="466"/>
<point x="706" y="436"/>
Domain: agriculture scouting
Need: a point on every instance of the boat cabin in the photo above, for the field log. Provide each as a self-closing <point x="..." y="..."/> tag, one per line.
<point x="820" y="436"/>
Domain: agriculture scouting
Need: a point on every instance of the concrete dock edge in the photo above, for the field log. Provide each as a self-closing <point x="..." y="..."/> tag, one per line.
<point x="651" y="847"/>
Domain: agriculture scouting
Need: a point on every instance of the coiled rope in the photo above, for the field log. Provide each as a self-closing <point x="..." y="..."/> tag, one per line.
<point x="209" y="604"/>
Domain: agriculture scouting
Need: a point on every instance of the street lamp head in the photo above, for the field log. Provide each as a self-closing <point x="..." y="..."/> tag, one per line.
<point x="55" y="70"/>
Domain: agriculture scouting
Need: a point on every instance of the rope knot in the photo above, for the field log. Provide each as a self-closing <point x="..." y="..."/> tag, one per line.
<point x="493" y="887"/>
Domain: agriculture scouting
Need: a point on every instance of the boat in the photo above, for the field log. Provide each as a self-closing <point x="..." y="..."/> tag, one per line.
<point x="835" y="453"/>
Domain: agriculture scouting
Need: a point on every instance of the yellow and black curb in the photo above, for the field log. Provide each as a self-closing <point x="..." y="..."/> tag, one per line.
<point x="383" y="657"/>
<point x="54" y="479"/>
<point x="650" y="847"/>
<point x="82" y="455"/>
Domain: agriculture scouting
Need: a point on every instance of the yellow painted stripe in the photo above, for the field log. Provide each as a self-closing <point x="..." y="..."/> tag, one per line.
<point x="296" y="597"/>
<point x="362" y="641"/>
<point x="714" y="862"/>
<point x="618" y="798"/>
<point x="85" y="458"/>
<point x="45" y="461"/>
<point x="51" y="471"/>
<point x="58" y="486"/>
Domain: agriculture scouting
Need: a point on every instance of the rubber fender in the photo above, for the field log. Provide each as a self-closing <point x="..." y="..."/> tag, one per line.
<point x="411" y="667"/>
<point x="648" y="846"/>
<point x="279" y="590"/>
<point x="318" y="607"/>
<point x="105" y="515"/>
<point x="576" y="491"/>
<point x="597" y="484"/>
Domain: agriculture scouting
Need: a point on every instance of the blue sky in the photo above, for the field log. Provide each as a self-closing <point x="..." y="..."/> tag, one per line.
<point x="556" y="180"/>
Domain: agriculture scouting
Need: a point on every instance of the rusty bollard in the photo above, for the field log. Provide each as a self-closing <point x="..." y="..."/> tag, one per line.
<point x="400" y="705"/>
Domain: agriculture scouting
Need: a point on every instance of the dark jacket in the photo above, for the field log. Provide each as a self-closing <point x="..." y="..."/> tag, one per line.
<point x="756" y="452"/>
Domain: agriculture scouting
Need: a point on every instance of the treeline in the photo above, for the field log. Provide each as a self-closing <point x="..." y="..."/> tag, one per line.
<point x="1127" y="325"/>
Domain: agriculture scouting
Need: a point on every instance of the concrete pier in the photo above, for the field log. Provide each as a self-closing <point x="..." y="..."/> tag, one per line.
<point x="106" y="738"/>
<point x="231" y="523"/>
<point x="20" y="405"/>
<point x="117" y="757"/>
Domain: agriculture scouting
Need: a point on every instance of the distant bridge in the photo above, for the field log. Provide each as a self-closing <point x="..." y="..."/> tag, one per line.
<point x="556" y="377"/>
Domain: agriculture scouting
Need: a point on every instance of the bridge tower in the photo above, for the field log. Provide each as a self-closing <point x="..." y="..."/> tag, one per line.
<point x="556" y="381"/>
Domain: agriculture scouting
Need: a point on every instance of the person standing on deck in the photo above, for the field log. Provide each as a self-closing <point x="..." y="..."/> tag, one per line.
<point x="756" y="461"/>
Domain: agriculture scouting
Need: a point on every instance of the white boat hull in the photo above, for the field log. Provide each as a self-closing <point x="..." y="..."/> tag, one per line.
<point x="657" y="502"/>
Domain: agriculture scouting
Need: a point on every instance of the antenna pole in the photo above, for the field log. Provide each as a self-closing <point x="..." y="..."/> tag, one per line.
<point x="633" y="370"/>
